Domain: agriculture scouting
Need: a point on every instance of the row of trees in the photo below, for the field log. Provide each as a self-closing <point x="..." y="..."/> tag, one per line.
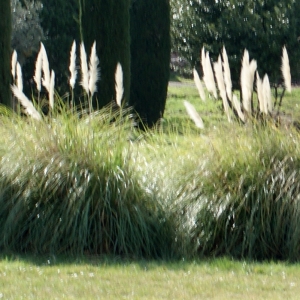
<point x="135" y="33"/>
<point x="261" y="26"/>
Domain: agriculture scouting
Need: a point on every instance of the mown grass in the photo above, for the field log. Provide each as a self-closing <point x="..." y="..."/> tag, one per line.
<point x="113" y="278"/>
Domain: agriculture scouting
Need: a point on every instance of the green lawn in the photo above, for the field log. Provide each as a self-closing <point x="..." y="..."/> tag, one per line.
<point x="111" y="278"/>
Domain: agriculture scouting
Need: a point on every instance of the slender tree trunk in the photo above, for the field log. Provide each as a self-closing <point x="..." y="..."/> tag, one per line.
<point x="5" y="52"/>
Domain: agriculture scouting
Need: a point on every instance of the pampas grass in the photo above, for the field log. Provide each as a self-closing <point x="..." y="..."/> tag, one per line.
<point x="285" y="68"/>
<point x="267" y="94"/>
<point x="208" y="75"/>
<point x="84" y="69"/>
<point x="194" y="114"/>
<point x="227" y="74"/>
<point x="51" y="91"/>
<point x="119" y="84"/>
<point x="14" y="64"/>
<point x="199" y="85"/>
<point x="221" y="86"/>
<point x="38" y="71"/>
<point x="19" y="77"/>
<point x="237" y="106"/>
<point x="46" y="70"/>
<point x="93" y="70"/>
<point x="72" y="67"/>
<point x="260" y="95"/>
<point x="247" y="79"/>
<point x="26" y="103"/>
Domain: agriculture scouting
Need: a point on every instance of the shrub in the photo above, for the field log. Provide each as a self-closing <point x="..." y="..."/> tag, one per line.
<point x="240" y="196"/>
<point x="67" y="186"/>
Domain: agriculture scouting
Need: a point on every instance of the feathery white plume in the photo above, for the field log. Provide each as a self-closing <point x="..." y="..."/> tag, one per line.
<point x="208" y="77"/>
<point x="260" y="94"/>
<point x="199" y="85"/>
<point x="93" y="70"/>
<point x="45" y="67"/>
<point x="193" y="114"/>
<point x="237" y="106"/>
<point x="267" y="94"/>
<point x="247" y="79"/>
<point x="203" y="59"/>
<point x="119" y="84"/>
<point x="19" y="77"/>
<point x="72" y="66"/>
<point x="286" y="72"/>
<point x="221" y="86"/>
<point x="84" y="69"/>
<point x="227" y="74"/>
<point x="26" y="103"/>
<point x="38" y="70"/>
<point x="13" y="64"/>
<point x="51" y="91"/>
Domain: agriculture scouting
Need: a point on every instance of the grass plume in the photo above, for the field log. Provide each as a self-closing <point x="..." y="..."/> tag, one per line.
<point x="286" y="72"/>
<point x="194" y="114"/>
<point x="119" y="84"/>
<point x="26" y="103"/>
<point x="199" y="84"/>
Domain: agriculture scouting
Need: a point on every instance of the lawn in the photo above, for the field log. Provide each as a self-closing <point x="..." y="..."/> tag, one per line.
<point x="27" y="277"/>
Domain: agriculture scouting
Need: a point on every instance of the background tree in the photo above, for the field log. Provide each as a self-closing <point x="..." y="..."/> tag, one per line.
<point x="59" y="20"/>
<point x="263" y="27"/>
<point x="26" y="28"/>
<point x="150" y="58"/>
<point x="5" y="52"/>
<point x="107" y="23"/>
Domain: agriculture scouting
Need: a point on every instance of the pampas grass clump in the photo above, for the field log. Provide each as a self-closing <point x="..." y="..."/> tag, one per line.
<point x="69" y="187"/>
<point x="239" y="197"/>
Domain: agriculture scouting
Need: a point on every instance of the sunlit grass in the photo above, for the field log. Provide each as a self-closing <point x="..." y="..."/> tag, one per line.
<point x="111" y="278"/>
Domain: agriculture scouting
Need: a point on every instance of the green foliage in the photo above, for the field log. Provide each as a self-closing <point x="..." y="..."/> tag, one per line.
<point x="263" y="27"/>
<point x="150" y="58"/>
<point x="27" y="31"/>
<point x="5" y="38"/>
<point x="59" y="20"/>
<point x="239" y="195"/>
<point x="107" y="23"/>
<point x="67" y="186"/>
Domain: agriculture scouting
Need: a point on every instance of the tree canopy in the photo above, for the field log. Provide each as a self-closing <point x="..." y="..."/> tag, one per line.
<point x="260" y="26"/>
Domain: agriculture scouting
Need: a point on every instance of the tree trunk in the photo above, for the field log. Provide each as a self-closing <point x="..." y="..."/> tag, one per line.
<point x="107" y="23"/>
<point x="5" y="52"/>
